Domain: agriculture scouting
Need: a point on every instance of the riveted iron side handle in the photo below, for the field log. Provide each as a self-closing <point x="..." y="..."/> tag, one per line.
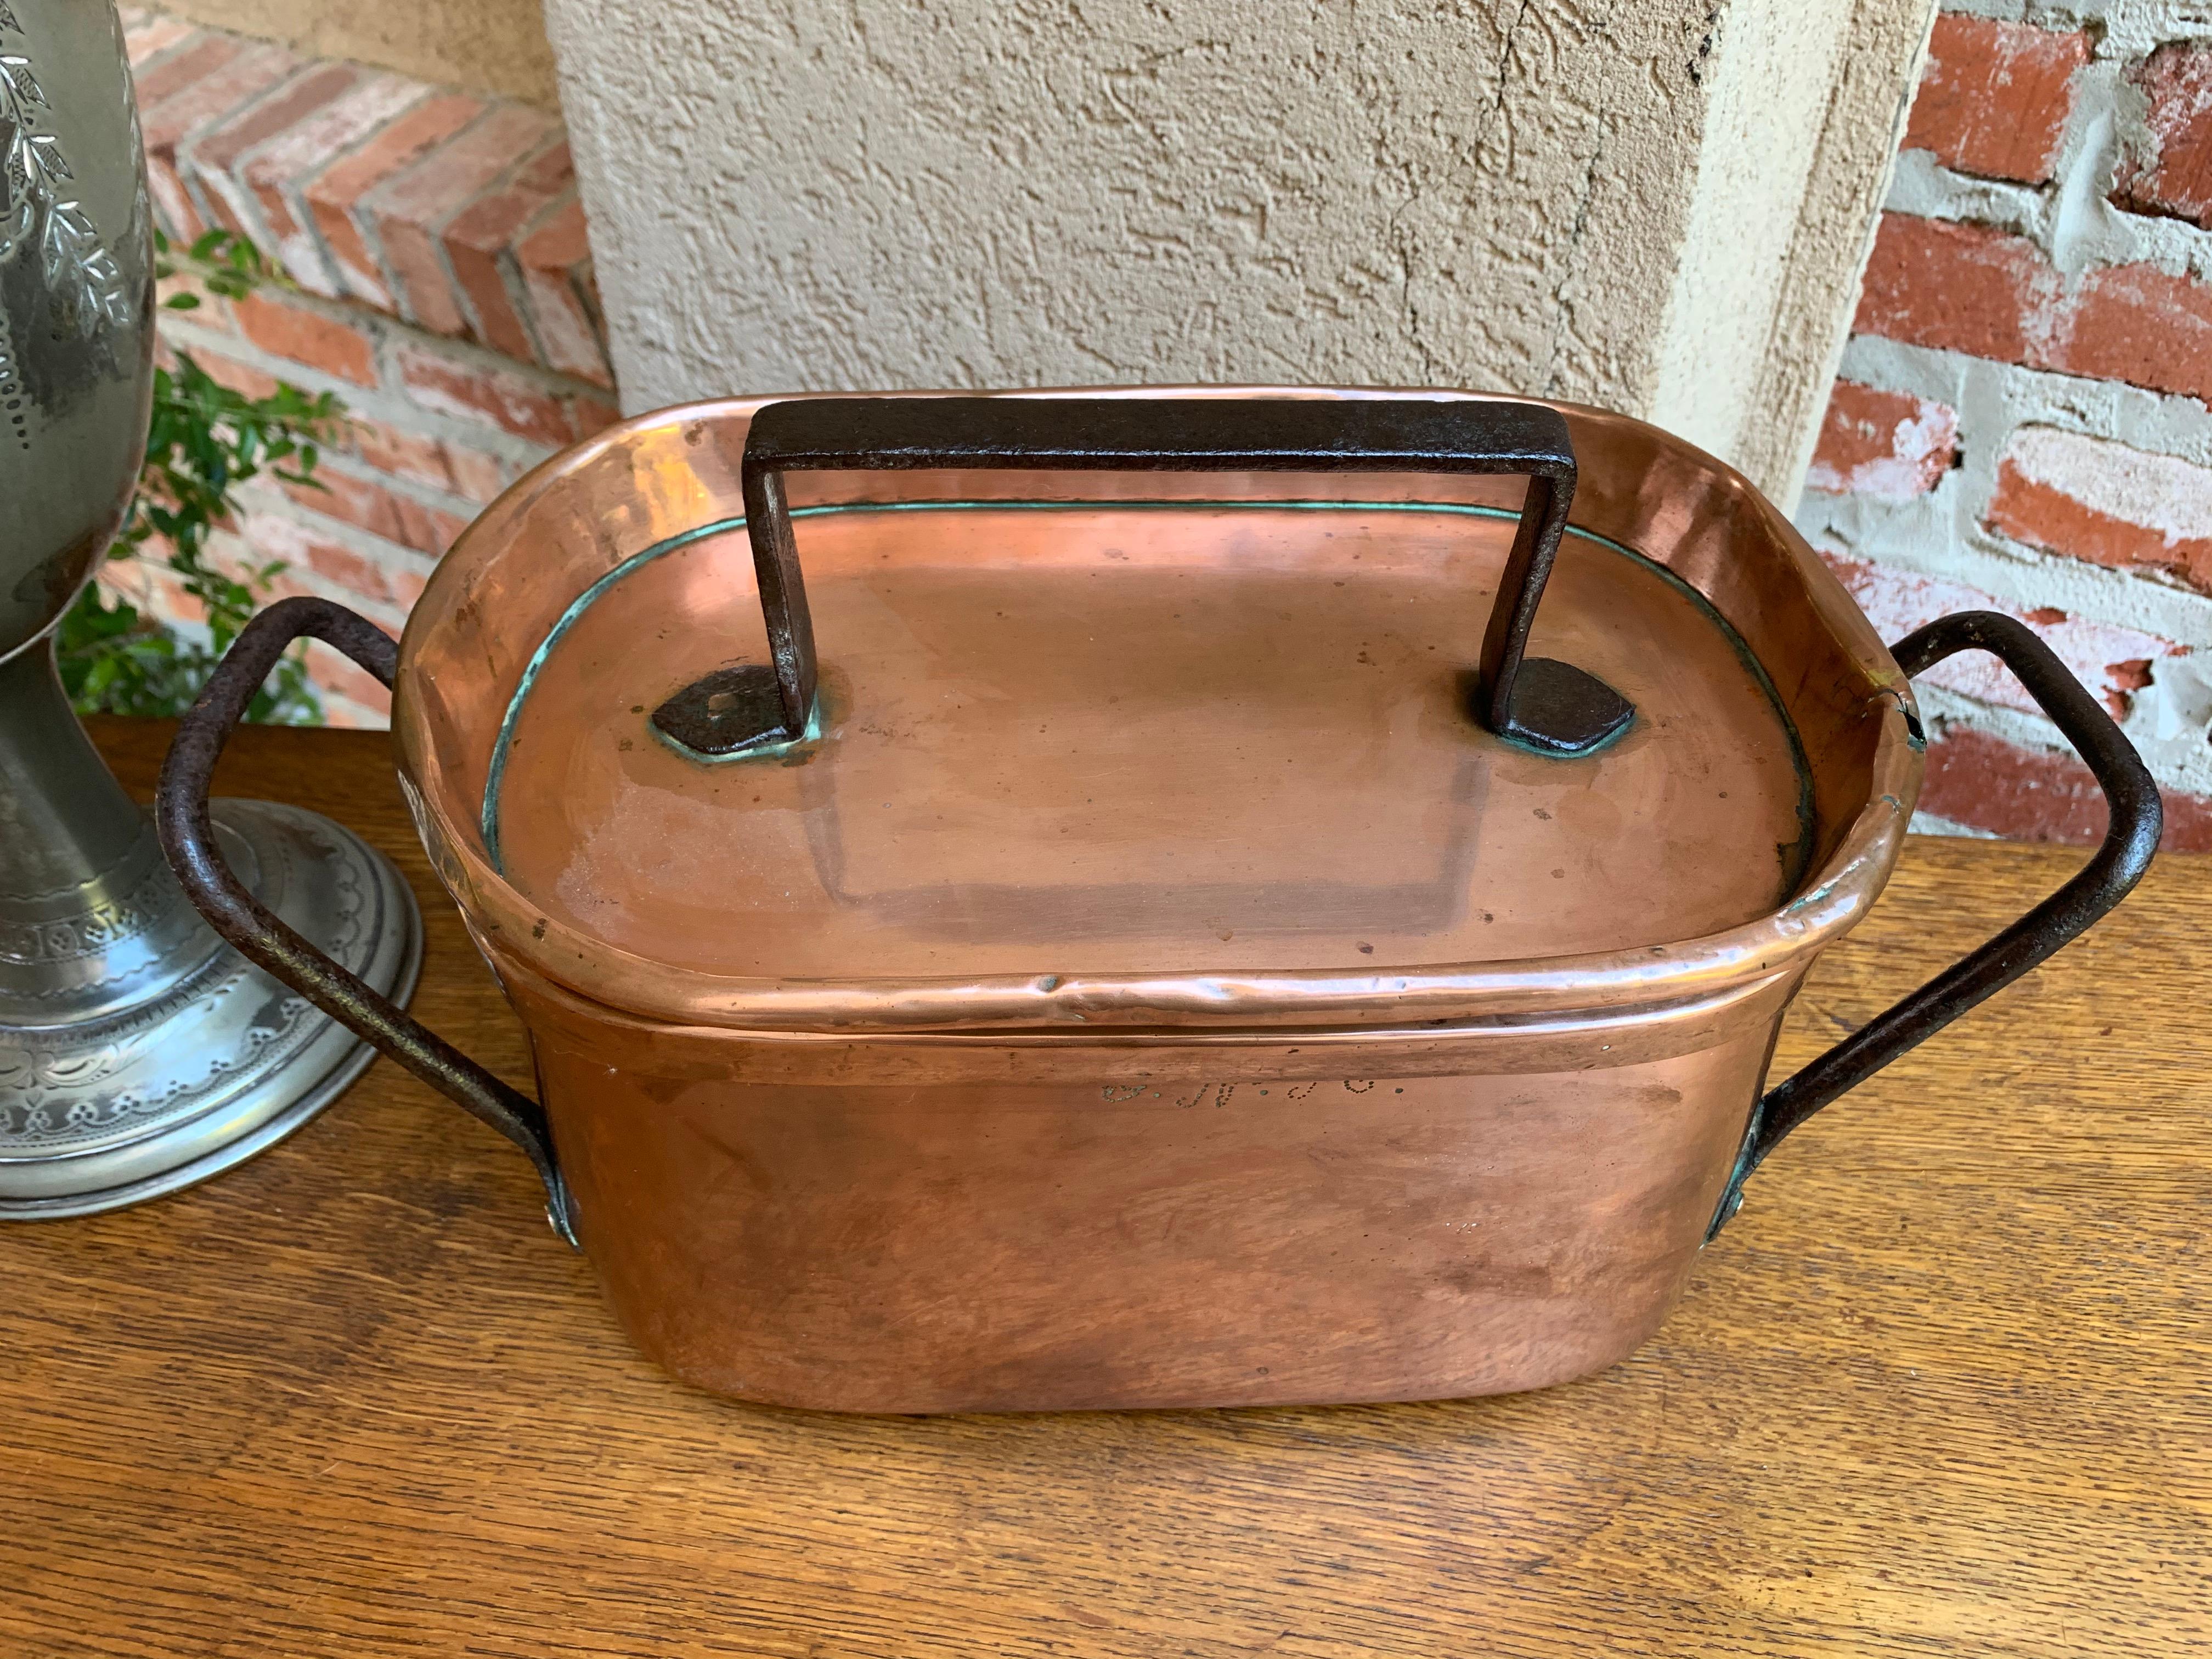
<point x="180" y="813"/>
<point x="2136" y="817"/>
<point x="1544" y="705"/>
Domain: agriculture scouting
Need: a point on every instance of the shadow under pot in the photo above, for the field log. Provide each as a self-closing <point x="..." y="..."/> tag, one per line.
<point x="1261" y="897"/>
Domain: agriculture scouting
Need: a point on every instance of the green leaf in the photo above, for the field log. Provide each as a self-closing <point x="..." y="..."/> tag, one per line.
<point x="203" y="440"/>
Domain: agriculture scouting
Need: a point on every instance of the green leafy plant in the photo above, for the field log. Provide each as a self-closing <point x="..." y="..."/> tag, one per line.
<point x="204" y="441"/>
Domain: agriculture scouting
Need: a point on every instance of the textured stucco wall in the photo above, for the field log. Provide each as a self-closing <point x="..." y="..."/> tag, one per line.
<point x="1807" y="100"/>
<point x="496" y="46"/>
<point x="1598" y="201"/>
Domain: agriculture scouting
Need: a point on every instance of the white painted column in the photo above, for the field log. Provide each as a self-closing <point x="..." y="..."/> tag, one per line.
<point x="1657" y="205"/>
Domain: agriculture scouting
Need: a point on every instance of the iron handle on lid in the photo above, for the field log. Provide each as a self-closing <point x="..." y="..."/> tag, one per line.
<point x="1535" y="702"/>
<point x="2131" y="840"/>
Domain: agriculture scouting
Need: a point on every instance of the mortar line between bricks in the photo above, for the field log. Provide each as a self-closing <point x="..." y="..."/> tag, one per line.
<point x="212" y="185"/>
<point x="503" y="262"/>
<point x="1940" y="705"/>
<point x="267" y="499"/>
<point x="1925" y="189"/>
<point x="2165" y="721"/>
<point x="1944" y="532"/>
<point x="2088" y="644"/>
<point x="1899" y="535"/>
<point x="577" y="282"/>
<point x="465" y="355"/>
<point x="228" y="548"/>
<point x="298" y="575"/>
<point x="186" y="158"/>
<point x="167" y="53"/>
<point x="240" y="196"/>
<point x="2130" y="28"/>
<point x="398" y="483"/>
<point x="293" y="190"/>
<point x="367" y="219"/>
<point x="2060" y="399"/>
<point x="2030" y="575"/>
<point x="394" y="409"/>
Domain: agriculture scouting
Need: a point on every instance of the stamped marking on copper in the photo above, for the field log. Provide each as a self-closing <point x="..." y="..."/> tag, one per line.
<point x="1220" y="1094"/>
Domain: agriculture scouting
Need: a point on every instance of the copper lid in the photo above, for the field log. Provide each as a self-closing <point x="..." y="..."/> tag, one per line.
<point x="1195" y="733"/>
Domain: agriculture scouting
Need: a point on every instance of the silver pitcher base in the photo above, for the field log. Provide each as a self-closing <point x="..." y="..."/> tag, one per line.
<point x="133" y="1105"/>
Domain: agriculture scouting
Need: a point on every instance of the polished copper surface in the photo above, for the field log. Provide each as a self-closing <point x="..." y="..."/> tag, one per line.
<point x="975" y="1067"/>
<point x="1082" y="742"/>
<point x="1019" y="1222"/>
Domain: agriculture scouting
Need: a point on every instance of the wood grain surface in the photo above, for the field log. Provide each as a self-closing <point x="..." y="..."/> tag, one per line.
<point x="1945" y="1387"/>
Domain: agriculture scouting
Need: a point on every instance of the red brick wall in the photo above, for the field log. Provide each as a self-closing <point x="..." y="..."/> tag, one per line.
<point x="2021" y="420"/>
<point x="443" y="291"/>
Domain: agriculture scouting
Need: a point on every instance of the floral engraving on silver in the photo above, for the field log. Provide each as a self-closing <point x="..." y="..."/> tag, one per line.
<point x="59" y="1086"/>
<point x="118" y="1108"/>
<point x="87" y="286"/>
<point x="100" y="925"/>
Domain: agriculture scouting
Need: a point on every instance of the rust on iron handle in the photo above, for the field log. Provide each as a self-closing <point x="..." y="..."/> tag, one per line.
<point x="2136" y="817"/>
<point x="1538" y="702"/>
<point x="180" y="814"/>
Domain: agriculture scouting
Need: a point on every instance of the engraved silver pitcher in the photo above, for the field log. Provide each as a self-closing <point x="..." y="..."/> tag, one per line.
<point x="137" y="1053"/>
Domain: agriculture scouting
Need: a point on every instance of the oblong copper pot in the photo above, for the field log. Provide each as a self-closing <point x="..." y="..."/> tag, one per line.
<point x="973" y="1127"/>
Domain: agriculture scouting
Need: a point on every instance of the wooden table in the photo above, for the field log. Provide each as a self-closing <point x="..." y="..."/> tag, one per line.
<point x="1945" y="1387"/>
